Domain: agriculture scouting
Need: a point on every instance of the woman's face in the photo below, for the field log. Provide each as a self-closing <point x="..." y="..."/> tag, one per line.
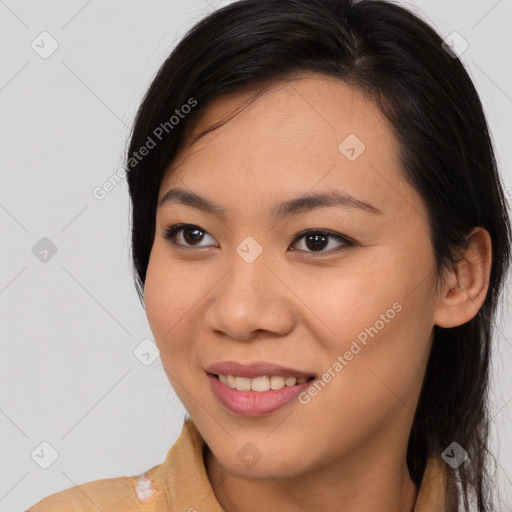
<point x="356" y="312"/>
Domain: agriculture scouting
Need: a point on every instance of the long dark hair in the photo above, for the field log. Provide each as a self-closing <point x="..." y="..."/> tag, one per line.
<point x="445" y="149"/>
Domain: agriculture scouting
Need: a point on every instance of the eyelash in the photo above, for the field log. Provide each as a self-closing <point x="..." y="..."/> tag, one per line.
<point x="171" y="231"/>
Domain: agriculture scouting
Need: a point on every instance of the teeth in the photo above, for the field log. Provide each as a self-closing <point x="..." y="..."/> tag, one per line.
<point x="277" y="382"/>
<point x="260" y="384"/>
<point x="263" y="383"/>
<point x="243" y="384"/>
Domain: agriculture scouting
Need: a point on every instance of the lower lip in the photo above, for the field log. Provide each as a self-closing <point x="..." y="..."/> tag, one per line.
<point x="254" y="403"/>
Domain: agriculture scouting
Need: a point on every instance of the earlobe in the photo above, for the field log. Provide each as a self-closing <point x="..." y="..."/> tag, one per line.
<point x="465" y="288"/>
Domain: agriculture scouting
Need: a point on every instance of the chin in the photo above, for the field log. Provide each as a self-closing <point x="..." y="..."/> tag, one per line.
<point x="279" y="467"/>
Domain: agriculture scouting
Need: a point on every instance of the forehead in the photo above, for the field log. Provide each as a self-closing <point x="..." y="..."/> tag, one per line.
<point x="312" y="133"/>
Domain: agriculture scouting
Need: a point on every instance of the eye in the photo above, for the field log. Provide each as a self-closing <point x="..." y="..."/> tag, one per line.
<point x="315" y="240"/>
<point x="190" y="233"/>
<point x="318" y="239"/>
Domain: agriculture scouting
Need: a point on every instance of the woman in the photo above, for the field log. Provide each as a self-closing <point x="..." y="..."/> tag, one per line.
<point x="320" y="237"/>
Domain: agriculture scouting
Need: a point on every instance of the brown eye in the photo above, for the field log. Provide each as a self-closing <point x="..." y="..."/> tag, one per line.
<point x="188" y="235"/>
<point x="317" y="240"/>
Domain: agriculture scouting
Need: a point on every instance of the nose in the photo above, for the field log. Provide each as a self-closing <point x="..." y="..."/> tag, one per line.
<point x="251" y="299"/>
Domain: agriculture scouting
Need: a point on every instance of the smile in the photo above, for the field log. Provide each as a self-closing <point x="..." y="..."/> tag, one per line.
<point x="256" y="403"/>
<point x="260" y="384"/>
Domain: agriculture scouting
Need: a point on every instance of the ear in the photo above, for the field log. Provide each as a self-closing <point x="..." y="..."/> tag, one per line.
<point x="464" y="289"/>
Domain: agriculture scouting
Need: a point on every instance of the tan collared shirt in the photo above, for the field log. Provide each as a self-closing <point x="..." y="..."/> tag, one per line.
<point x="180" y="484"/>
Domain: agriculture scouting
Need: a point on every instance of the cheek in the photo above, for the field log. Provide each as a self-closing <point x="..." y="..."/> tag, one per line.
<point x="170" y="292"/>
<point x="380" y="292"/>
<point x="342" y="302"/>
<point x="174" y="297"/>
<point x="170" y="296"/>
<point x="379" y="321"/>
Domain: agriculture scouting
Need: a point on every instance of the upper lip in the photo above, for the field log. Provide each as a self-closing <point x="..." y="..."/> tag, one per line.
<point x="255" y="369"/>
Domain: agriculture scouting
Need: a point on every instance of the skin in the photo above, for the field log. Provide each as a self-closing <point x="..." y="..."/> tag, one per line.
<point x="205" y="303"/>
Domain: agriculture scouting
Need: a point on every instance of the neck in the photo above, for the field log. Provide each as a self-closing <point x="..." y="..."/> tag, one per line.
<point x="364" y="486"/>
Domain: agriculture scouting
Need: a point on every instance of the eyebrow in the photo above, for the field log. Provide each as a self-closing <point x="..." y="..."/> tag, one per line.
<point x="278" y="211"/>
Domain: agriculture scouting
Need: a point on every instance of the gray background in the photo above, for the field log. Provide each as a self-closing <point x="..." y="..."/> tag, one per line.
<point x="69" y="325"/>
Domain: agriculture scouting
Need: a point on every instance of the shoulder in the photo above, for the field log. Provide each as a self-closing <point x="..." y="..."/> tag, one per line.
<point x="110" y="495"/>
<point x="171" y="485"/>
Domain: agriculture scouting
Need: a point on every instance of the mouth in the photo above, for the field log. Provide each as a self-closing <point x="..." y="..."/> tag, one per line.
<point x="256" y="396"/>
<point x="260" y="384"/>
<point x="256" y="389"/>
